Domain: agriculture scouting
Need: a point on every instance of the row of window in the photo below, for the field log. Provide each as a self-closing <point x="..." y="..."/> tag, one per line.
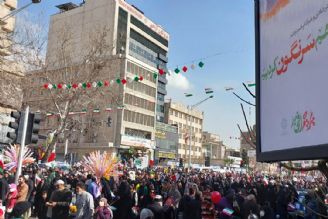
<point x="139" y="102"/>
<point x="185" y="116"/>
<point x="142" y="88"/>
<point x="194" y="139"/>
<point x="149" y="31"/>
<point x="144" y="54"/>
<point x="140" y="71"/>
<point x="184" y="126"/>
<point x="193" y="148"/>
<point x="138" y="118"/>
<point x="147" y="43"/>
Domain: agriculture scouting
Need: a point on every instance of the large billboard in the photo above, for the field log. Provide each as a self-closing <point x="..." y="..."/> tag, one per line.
<point x="292" y="79"/>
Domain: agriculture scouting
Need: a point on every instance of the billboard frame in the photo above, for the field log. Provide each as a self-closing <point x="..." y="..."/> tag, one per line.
<point x="301" y="153"/>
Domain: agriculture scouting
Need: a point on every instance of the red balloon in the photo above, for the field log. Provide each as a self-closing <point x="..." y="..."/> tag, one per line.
<point x="216" y="197"/>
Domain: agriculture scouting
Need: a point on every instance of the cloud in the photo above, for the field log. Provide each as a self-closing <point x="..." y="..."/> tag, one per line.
<point x="178" y="81"/>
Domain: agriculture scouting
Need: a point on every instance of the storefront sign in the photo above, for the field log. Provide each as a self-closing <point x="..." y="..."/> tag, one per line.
<point x="166" y="155"/>
<point x="136" y="142"/>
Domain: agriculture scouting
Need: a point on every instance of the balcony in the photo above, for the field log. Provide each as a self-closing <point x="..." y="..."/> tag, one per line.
<point x="4" y="11"/>
<point x="10" y="25"/>
<point x="12" y="4"/>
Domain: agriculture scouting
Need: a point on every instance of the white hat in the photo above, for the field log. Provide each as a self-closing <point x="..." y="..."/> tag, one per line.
<point x="146" y="213"/>
<point x="60" y="182"/>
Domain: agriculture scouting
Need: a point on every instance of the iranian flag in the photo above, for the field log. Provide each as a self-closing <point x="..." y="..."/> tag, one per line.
<point x="209" y="90"/>
<point x="52" y="156"/>
<point x="228" y="88"/>
<point x="188" y="95"/>
<point x="251" y="84"/>
<point x="2" y="166"/>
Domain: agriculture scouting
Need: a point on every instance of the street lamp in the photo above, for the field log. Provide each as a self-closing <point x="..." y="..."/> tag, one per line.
<point x="190" y="108"/>
<point x="13" y="13"/>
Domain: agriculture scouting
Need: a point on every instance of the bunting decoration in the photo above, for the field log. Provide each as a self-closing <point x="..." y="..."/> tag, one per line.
<point x="185" y="68"/>
<point x="209" y="90"/>
<point x="188" y="95"/>
<point x="84" y="111"/>
<point x="88" y="85"/>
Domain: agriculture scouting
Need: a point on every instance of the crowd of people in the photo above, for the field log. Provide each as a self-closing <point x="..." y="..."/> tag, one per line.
<point x="158" y="193"/>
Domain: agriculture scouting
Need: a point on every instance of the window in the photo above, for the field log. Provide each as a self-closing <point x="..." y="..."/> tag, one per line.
<point x="176" y="113"/>
<point x="147" y="30"/>
<point x="170" y="122"/>
<point x="160" y="97"/>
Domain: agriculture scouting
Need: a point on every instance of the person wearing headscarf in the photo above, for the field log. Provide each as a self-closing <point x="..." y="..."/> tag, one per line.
<point x="103" y="211"/>
<point x="124" y="202"/>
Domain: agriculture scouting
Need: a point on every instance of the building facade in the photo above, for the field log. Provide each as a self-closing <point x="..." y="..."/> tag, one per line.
<point x="10" y="89"/>
<point x="167" y="138"/>
<point x="140" y="48"/>
<point x="179" y="114"/>
<point x="213" y="148"/>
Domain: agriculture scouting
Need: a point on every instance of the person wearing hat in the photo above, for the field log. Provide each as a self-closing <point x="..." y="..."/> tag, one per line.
<point x="156" y="207"/>
<point x="103" y="211"/>
<point x="146" y="214"/>
<point x="59" y="201"/>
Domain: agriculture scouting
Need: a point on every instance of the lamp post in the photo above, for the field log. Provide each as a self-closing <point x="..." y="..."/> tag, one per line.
<point x="190" y="108"/>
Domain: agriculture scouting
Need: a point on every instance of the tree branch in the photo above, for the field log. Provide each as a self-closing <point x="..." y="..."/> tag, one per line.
<point x="249" y="142"/>
<point x="243" y="99"/>
<point x="249" y="91"/>
<point x="249" y="131"/>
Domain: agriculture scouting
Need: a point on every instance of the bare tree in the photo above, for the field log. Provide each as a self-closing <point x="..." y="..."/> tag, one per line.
<point x="20" y="50"/>
<point x="70" y="65"/>
<point x="251" y="140"/>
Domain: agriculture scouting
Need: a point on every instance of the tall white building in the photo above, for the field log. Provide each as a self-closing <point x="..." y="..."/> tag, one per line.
<point x="142" y="48"/>
<point x="179" y="114"/>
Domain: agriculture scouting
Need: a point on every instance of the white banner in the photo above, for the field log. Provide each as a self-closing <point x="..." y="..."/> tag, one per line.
<point x="293" y="68"/>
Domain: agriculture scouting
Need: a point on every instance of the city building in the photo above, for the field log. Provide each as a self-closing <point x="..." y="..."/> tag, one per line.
<point x="180" y="115"/>
<point x="232" y="152"/>
<point x="213" y="148"/>
<point x="10" y="89"/>
<point x="245" y="143"/>
<point x="140" y="47"/>
<point x="167" y="140"/>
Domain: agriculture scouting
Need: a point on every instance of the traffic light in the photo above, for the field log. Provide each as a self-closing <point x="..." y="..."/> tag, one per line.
<point x="33" y="127"/>
<point x="17" y="125"/>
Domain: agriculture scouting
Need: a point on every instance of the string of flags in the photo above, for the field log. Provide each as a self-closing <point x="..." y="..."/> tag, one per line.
<point x="207" y="91"/>
<point x="249" y="84"/>
<point x="185" y="68"/>
<point x="84" y="111"/>
<point x="94" y="84"/>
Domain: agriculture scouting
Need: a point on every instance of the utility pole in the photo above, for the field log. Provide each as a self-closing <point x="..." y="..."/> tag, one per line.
<point x="22" y="146"/>
<point x="190" y="108"/>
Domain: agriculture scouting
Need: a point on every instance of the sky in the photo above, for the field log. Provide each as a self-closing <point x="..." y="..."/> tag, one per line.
<point x="220" y="33"/>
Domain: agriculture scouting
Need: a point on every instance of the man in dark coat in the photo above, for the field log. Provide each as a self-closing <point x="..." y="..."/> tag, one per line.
<point x="59" y="201"/>
<point x="3" y="188"/>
